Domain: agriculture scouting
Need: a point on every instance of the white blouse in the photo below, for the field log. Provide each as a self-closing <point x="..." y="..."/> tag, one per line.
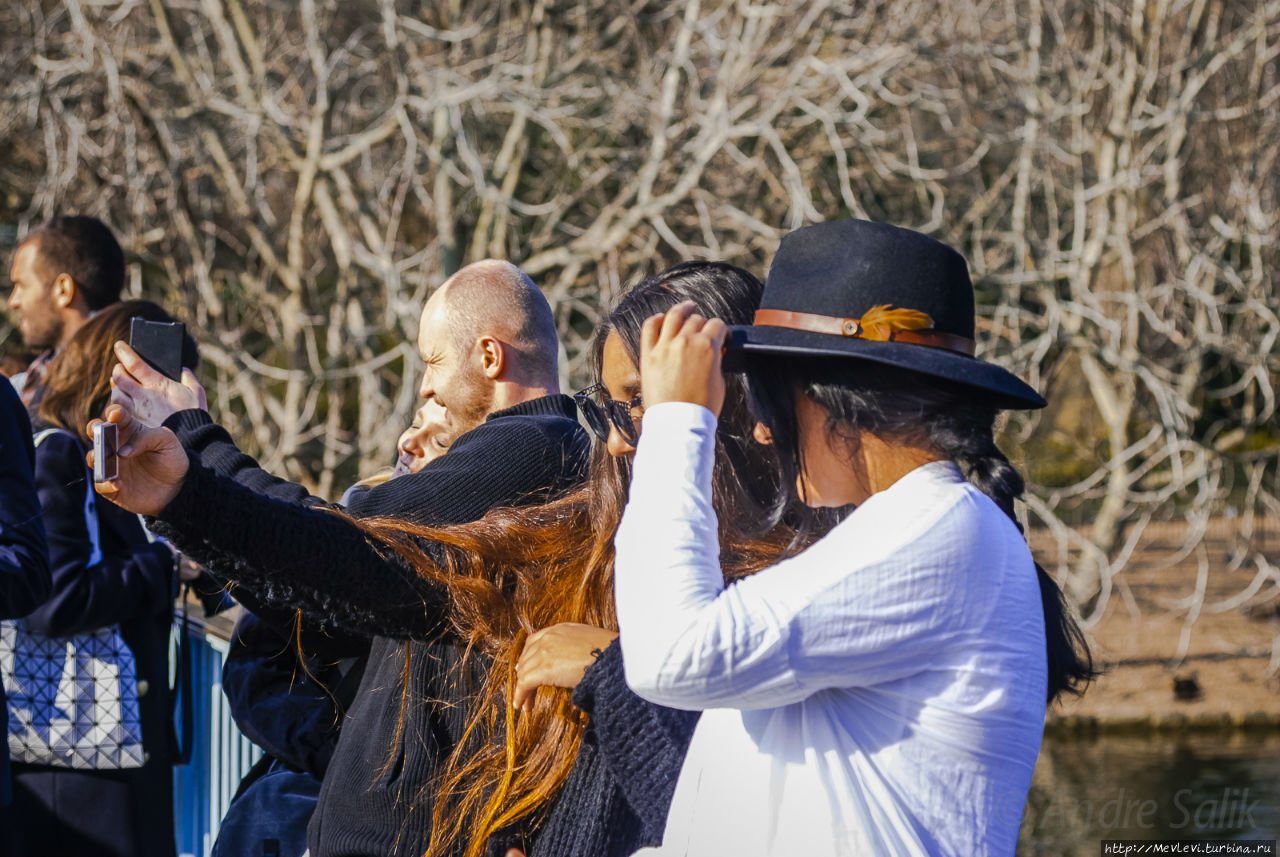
<point x="881" y="693"/>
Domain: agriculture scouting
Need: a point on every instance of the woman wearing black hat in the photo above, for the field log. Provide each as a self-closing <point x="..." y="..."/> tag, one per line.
<point x="882" y="692"/>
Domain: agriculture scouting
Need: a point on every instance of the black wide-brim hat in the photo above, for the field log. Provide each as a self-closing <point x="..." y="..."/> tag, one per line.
<point x="826" y="278"/>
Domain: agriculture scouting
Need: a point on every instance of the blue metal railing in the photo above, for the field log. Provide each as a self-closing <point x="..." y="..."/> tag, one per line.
<point x="203" y="789"/>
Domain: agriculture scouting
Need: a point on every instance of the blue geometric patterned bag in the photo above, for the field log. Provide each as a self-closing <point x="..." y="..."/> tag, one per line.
<point x="73" y="701"/>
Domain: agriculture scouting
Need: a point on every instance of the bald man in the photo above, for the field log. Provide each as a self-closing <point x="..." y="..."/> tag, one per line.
<point x="488" y="340"/>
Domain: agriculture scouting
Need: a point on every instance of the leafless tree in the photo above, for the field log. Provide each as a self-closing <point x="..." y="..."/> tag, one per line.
<point x="297" y="177"/>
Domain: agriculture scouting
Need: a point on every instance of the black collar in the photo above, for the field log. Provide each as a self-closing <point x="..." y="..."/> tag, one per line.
<point x="558" y="405"/>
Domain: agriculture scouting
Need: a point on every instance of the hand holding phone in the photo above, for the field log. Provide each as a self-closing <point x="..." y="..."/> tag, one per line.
<point x="160" y="344"/>
<point x="150" y="467"/>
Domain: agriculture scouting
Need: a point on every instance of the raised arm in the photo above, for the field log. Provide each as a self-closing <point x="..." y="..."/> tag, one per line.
<point x="320" y="559"/>
<point x="308" y="557"/>
<point x="834" y="616"/>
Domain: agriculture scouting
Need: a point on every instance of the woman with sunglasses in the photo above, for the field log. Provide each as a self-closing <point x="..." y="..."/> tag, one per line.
<point x="546" y="778"/>
<point x="884" y="691"/>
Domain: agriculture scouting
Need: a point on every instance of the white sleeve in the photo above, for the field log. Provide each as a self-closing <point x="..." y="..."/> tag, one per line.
<point x="854" y="609"/>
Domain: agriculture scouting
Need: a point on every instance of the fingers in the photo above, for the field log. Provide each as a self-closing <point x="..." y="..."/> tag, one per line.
<point x="717" y="331"/>
<point x="135" y="365"/>
<point x="526" y="691"/>
<point x="125" y="424"/>
<point x="133" y="434"/>
<point x="528" y="679"/>
<point x="123" y="386"/>
<point x="650" y="331"/>
<point x="679" y="317"/>
<point x="189" y="381"/>
<point x="681" y="358"/>
<point x="530" y="671"/>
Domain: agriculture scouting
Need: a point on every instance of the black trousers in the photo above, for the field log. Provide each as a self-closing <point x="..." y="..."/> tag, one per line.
<point x="60" y="812"/>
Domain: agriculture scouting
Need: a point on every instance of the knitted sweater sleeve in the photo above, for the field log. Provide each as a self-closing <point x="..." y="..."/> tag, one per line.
<point x="312" y="558"/>
<point x="643" y="744"/>
<point x="318" y="559"/>
<point x="198" y="433"/>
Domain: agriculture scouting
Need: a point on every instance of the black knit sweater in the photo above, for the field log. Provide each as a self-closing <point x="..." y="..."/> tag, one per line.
<point x="272" y="538"/>
<point x="616" y="798"/>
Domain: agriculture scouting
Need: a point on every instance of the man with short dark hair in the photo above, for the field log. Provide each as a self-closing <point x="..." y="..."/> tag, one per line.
<point x="488" y="339"/>
<point x="62" y="273"/>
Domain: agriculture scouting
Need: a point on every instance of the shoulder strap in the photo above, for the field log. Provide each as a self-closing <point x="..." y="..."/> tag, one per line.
<point x="38" y="437"/>
<point x="90" y="502"/>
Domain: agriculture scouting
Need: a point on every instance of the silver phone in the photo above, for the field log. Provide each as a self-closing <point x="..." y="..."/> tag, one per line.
<point x="105" y="443"/>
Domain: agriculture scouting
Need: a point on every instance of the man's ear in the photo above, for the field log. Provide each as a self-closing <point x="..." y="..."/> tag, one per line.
<point x="762" y="434"/>
<point x="493" y="357"/>
<point x="64" y="291"/>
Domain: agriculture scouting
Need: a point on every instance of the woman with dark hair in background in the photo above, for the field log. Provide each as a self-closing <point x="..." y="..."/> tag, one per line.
<point x="883" y="691"/>
<point x="106" y="571"/>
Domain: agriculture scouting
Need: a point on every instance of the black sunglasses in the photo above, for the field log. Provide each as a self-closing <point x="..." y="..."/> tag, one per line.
<point x="601" y="414"/>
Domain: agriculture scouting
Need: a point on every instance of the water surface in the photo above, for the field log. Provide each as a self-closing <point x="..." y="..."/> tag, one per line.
<point x="1155" y="786"/>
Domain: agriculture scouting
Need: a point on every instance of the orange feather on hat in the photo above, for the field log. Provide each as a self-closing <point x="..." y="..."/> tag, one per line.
<point x="880" y="322"/>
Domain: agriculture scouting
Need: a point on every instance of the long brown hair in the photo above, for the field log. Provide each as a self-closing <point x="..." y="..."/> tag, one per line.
<point x="79" y="381"/>
<point x="516" y="571"/>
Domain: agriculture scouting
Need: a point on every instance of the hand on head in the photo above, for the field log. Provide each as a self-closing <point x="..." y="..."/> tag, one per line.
<point x="557" y="656"/>
<point x="152" y="465"/>
<point x="680" y="355"/>
<point x="149" y="396"/>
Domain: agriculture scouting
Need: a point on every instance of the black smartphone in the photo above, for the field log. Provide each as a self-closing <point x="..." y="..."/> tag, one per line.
<point x="160" y="344"/>
<point x="106" y="466"/>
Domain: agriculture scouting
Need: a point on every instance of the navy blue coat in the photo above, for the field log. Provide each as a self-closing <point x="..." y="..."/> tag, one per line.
<point x="134" y="584"/>
<point x="24" y="559"/>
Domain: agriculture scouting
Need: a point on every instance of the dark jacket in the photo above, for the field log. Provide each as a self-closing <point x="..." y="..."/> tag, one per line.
<point x="616" y="797"/>
<point x="24" y="558"/>
<point x="290" y="708"/>
<point x="133" y="584"/>
<point x="291" y="705"/>
<point x="270" y="537"/>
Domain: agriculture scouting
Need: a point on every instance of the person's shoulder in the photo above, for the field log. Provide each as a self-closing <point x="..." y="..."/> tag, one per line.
<point x="13" y="414"/>
<point x="542" y="422"/>
<point x="51" y="440"/>
<point x="9" y="397"/>
<point x="59" y="457"/>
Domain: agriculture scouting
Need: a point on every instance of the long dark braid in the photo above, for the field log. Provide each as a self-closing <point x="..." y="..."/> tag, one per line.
<point x="968" y="439"/>
<point x="955" y="423"/>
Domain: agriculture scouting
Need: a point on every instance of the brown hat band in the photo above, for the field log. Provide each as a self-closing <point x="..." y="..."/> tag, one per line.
<point x="853" y="327"/>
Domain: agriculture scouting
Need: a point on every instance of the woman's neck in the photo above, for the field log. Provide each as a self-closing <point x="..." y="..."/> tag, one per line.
<point x="886" y="460"/>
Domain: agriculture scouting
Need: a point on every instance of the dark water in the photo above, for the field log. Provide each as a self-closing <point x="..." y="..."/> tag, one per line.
<point x="1166" y="787"/>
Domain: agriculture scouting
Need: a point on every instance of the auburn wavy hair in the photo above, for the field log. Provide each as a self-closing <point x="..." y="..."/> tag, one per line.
<point x="519" y="570"/>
